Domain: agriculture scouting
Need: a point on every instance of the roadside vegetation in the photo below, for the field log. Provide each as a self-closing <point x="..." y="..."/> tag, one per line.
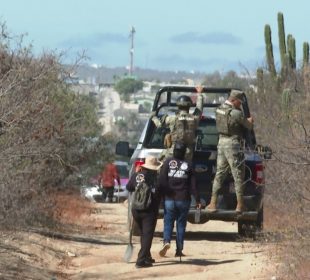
<point x="127" y="86"/>
<point x="281" y="106"/>
<point x="50" y="140"/>
<point x="48" y="135"/>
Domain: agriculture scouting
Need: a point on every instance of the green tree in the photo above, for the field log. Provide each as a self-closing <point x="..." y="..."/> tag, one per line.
<point x="128" y="85"/>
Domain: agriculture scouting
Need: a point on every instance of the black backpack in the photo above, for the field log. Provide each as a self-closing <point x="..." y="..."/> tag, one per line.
<point x="142" y="197"/>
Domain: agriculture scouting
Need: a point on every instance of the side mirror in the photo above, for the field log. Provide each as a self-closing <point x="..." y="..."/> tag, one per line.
<point x="264" y="151"/>
<point x="122" y="149"/>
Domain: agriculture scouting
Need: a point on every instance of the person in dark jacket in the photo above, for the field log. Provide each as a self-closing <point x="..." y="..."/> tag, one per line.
<point x="177" y="183"/>
<point x="146" y="219"/>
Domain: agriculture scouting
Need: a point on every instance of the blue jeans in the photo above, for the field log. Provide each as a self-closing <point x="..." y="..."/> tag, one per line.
<point x="175" y="210"/>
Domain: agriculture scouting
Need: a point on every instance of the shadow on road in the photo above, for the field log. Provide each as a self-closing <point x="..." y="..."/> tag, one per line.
<point x="211" y="236"/>
<point x="199" y="262"/>
<point x="78" y="238"/>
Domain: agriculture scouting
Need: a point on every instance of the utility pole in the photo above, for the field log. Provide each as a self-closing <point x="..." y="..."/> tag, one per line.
<point x="131" y="36"/>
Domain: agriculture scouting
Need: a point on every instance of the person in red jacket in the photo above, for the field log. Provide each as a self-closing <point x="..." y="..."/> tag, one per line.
<point x="107" y="181"/>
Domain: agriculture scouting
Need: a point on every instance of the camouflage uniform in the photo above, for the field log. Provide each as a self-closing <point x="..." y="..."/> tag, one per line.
<point x="182" y="127"/>
<point x="231" y="124"/>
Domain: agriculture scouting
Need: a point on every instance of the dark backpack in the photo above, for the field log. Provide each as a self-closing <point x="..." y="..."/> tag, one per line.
<point x="142" y="197"/>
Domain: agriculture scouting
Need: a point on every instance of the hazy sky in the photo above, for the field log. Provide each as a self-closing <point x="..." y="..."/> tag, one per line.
<point x="191" y="35"/>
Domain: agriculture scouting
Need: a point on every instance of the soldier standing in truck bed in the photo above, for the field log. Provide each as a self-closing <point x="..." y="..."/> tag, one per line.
<point x="182" y="125"/>
<point x="231" y="124"/>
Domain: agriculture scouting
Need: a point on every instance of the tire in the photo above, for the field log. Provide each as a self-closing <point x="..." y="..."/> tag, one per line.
<point x="249" y="229"/>
<point x="242" y="228"/>
<point x="260" y="219"/>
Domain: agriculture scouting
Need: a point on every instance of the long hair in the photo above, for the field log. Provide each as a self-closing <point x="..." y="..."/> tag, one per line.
<point x="179" y="150"/>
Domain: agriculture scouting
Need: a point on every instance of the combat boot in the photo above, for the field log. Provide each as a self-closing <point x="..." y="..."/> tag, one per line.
<point x="240" y="204"/>
<point x="212" y="205"/>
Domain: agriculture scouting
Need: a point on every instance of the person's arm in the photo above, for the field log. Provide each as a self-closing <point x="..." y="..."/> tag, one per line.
<point x="193" y="189"/>
<point x="238" y="117"/>
<point x="116" y="176"/>
<point x="156" y="120"/>
<point x="199" y="102"/>
<point x="164" y="120"/>
<point x="163" y="177"/>
<point x="246" y="122"/>
<point x="159" y="122"/>
<point x="131" y="184"/>
<point x="158" y="189"/>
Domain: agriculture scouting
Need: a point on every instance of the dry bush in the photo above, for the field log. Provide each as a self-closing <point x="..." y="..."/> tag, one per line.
<point x="284" y="124"/>
<point x="48" y="135"/>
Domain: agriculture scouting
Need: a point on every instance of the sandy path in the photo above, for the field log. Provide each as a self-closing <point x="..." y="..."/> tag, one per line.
<point x="213" y="251"/>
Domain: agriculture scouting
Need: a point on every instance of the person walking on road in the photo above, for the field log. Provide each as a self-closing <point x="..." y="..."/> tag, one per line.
<point x="146" y="219"/>
<point x="177" y="183"/>
<point x="107" y="180"/>
<point x="231" y="125"/>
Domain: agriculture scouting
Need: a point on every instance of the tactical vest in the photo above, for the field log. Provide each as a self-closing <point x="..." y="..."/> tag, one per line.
<point x="184" y="129"/>
<point x="222" y="120"/>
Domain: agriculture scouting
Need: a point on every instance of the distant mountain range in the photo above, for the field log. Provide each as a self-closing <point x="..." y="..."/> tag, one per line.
<point x="95" y="74"/>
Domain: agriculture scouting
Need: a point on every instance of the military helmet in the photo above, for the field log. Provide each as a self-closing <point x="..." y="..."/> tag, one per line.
<point x="184" y="101"/>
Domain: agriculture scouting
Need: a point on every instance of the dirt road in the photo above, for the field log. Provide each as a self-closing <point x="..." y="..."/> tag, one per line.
<point x="213" y="251"/>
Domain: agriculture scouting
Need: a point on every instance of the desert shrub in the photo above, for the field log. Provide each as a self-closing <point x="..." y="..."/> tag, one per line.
<point x="48" y="134"/>
<point x="282" y="121"/>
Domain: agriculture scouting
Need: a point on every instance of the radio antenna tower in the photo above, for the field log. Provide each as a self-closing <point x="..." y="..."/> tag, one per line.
<point x="131" y="36"/>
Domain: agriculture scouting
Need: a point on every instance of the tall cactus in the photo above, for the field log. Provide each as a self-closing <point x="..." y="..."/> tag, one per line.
<point x="293" y="52"/>
<point x="269" y="51"/>
<point x="282" y="45"/>
<point x="305" y="59"/>
<point x="291" y="47"/>
<point x="286" y="101"/>
<point x="260" y="80"/>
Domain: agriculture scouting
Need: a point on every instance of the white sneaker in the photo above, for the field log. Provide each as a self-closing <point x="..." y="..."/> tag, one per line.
<point x="164" y="249"/>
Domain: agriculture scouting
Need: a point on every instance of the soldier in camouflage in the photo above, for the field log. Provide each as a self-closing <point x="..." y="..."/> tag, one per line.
<point x="230" y="123"/>
<point x="182" y="126"/>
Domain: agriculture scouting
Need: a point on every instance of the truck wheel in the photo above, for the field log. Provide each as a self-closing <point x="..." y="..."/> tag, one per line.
<point x="260" y="219"/>
<point x="249" y="229"/>
<point x="242" y="228"/>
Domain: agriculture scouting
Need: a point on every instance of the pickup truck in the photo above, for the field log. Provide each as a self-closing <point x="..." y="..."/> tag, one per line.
<point x="151" y="142"/>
